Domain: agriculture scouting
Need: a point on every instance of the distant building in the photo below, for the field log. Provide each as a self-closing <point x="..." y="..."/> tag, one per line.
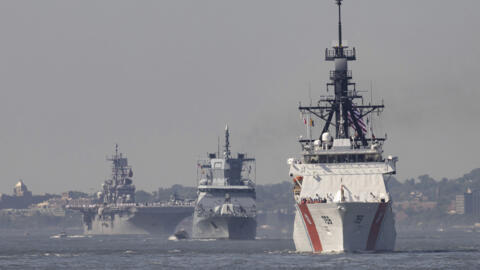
<point x="476" y="203"/>
<point x="415" y="205"/>
<point x="460" y="204"/>
<point x="463" y="204"/>
<point x="468" y="203"/>
<point x="61" y="202"/>
<point x="22" y="198"/>
<point x="21" y="190"/>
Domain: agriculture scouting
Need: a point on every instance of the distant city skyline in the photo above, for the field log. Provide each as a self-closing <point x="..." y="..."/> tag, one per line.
<point x="162" y="78"/>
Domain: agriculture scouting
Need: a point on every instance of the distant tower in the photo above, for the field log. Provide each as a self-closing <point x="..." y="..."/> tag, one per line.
<point x="21" y="190"/>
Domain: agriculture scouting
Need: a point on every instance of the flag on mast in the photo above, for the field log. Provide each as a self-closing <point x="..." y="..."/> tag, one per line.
<point x="357" y="117"/>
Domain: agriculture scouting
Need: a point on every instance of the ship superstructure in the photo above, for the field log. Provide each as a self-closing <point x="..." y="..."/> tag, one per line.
<point x="119" y="188"/>
<point x="116" y="211"/>
<point x="340" y="190"/>
<point x="225" y="206"/>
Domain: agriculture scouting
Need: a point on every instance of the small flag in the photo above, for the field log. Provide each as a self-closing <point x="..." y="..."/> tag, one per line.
<point x="304" y="121"/>
<point x="312" y="124"/>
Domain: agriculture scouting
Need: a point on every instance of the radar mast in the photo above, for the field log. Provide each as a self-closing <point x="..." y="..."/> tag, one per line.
<point x="348" y="121"/>
<point x="227" y="153"/>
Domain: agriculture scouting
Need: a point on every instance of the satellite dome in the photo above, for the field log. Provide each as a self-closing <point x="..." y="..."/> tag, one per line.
<point x="326" y="137"/>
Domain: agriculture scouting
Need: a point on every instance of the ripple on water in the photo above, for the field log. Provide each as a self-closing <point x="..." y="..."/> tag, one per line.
<point x="437" y="251"/>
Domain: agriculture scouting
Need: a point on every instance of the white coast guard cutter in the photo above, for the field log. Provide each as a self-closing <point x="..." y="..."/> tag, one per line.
<point x="340" y="188"/>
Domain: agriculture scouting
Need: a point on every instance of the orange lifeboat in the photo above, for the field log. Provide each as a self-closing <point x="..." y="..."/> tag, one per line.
<point x="298" y="179"/>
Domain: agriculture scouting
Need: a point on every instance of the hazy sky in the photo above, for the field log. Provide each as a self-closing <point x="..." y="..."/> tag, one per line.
<point x="162" y="78"/>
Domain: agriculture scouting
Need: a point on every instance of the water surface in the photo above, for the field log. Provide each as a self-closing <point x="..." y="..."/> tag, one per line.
<point x="415" y="250"/>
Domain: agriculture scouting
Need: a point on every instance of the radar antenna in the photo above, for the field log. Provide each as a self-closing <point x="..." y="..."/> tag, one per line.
<point x="341" y="110"/>
<point x="340" y="47"/>
<point x="227" y="143"/>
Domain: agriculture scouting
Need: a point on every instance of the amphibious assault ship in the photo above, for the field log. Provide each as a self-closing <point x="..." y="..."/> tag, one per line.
<point x="116" y="211"/>
<point x="340" y="190"/>
<point x="225" y="207"/>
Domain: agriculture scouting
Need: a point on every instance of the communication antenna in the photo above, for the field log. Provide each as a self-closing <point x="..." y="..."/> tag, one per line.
<point x="227" y="143"/>
<point x="371" y="116"/>
<point x="342" y="111"/>
<point x="310" y="92"/>
<point x="339" y="3"/>
<point x="309" y="115"/>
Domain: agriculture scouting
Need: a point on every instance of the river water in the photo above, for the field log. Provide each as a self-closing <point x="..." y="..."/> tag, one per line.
<point x="415" y="250"/>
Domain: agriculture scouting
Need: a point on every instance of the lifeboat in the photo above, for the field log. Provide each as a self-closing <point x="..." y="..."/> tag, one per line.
<point x="298" y="180"/>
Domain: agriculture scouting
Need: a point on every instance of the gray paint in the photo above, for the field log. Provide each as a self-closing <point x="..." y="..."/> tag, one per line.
<point x="76" y="77"/>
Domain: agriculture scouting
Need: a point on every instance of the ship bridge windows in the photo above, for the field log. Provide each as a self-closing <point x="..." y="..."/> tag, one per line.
<point x="373" y="158"/>
<point x="342" y="158"/>
<point x="219" y="173"/>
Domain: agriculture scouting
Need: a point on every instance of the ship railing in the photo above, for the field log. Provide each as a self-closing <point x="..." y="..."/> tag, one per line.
<point x="332" y="53"/>
<point x="343" y="74"/>
<point x="236" y="212"/>
<point x="165" y="204"/>
<point x="329" y="198"/>
<point x="127" y="205"/>
<point x="209" y="215"/>
<point x="81" y="206"/>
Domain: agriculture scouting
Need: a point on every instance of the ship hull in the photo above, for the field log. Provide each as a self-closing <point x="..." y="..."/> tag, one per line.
<point x="235" y="228"/>
<point x="344" y="227"/>
<point x="151" y="220"/>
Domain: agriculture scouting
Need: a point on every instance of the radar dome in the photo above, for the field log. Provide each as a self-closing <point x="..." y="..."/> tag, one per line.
<point x="326" y="137"/>
<point x="20" y="184"/>
<point x="290" y="161"/>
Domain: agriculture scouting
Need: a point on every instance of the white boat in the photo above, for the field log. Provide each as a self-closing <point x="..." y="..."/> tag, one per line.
<point x="60" y="235"/>
<point x="179" y="235"/>
<point x="340" y="189"/>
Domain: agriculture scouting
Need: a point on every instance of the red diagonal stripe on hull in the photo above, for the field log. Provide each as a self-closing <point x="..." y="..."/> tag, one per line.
<point x="311" y="229"/>
<point x="375" y="227"/>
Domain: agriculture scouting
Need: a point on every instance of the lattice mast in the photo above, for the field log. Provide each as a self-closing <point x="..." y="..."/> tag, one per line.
<point x="119" y="188"/>
<point x="226" y="152"/>
<point x="341" y="108"/>
<point x="120" y="168"/>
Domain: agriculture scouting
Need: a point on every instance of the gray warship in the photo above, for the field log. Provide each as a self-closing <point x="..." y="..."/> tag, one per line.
<point x="116" y="212"/>
<point x="225" y="207"/>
